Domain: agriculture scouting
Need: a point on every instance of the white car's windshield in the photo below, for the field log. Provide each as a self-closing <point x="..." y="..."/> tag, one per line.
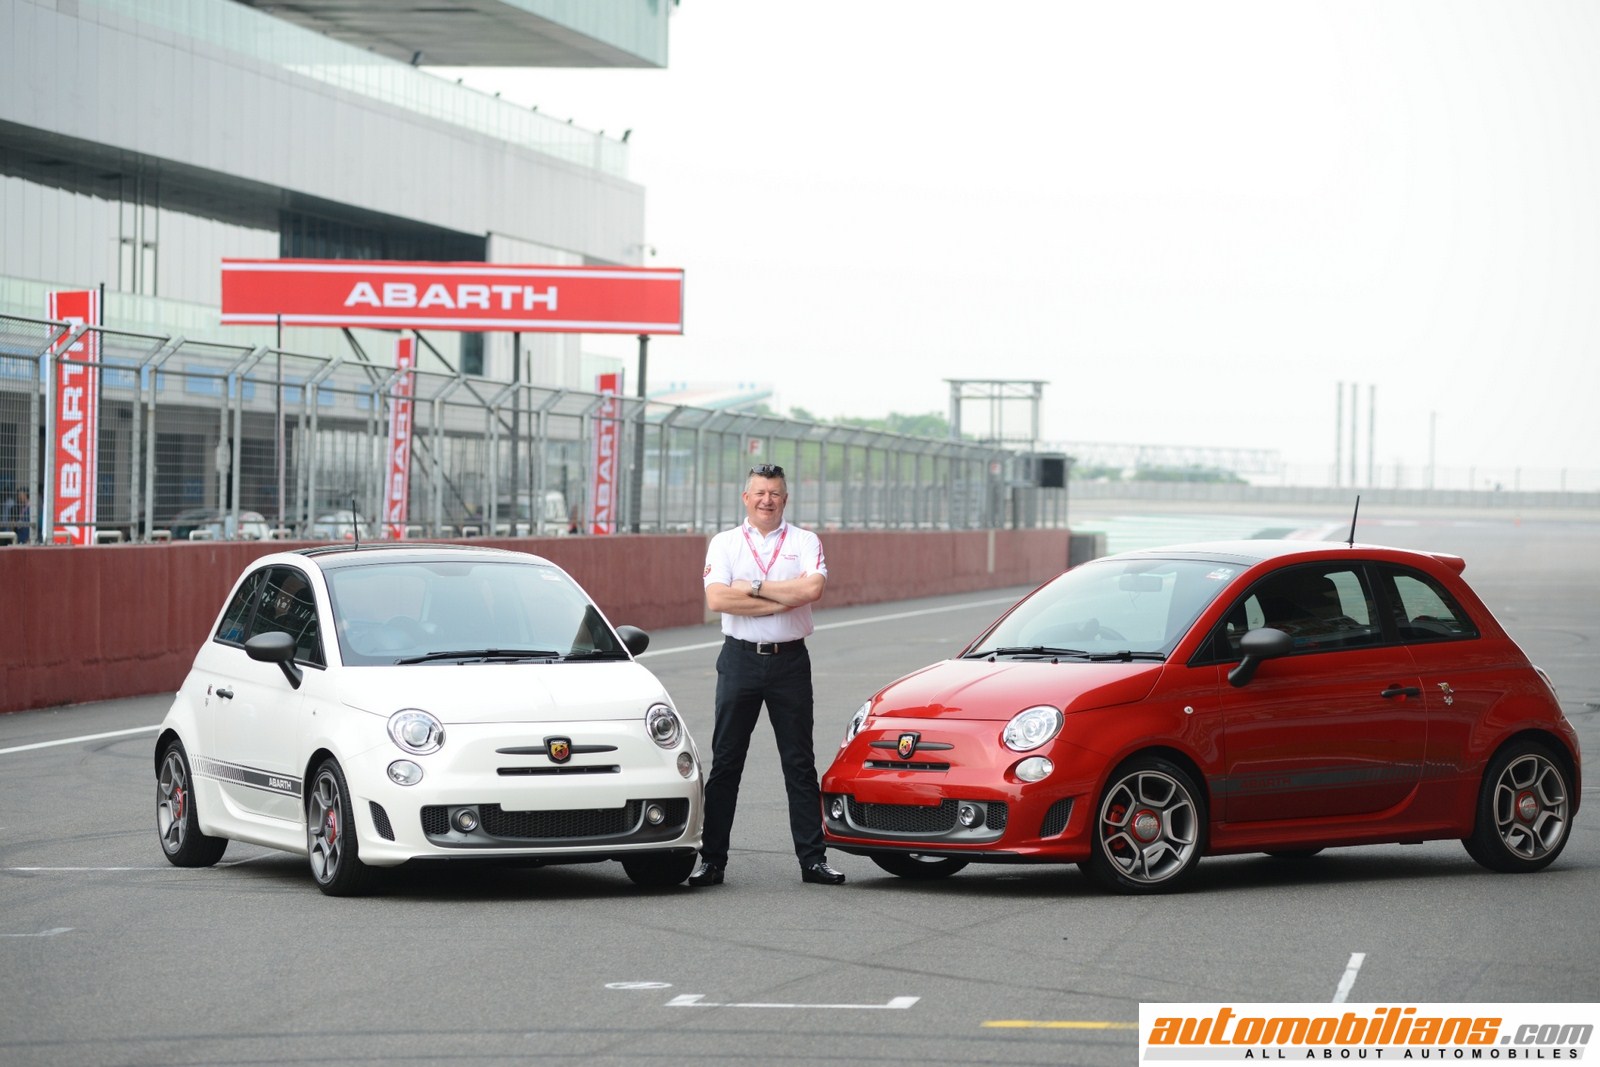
<point x="441" y="612"/>
<point x="1108" y="609"/>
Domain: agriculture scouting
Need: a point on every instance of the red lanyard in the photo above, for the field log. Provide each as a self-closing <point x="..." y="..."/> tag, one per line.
<point x="775" y="549"/>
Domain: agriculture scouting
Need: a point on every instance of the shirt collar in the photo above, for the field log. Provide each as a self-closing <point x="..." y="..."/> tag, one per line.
<point x="751" y="528"/>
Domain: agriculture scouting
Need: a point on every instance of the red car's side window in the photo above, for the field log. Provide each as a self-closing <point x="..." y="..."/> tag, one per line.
<point x="1425" y="611"/>
<point x="1322" y="608"/>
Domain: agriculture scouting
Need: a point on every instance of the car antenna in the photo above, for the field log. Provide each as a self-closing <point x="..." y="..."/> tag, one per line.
<point x="355" y="527"/>
<point x="1353" y="521"/>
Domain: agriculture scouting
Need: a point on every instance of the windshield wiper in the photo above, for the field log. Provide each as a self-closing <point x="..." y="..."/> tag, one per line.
<point x="1127" y="656"/>
<point x="482" y="654"/>
<point x="596" y="653"/>
<point x="1026" y="650"/>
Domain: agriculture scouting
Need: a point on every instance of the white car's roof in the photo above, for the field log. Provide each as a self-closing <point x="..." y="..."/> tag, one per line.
<point x="332" y="557"/>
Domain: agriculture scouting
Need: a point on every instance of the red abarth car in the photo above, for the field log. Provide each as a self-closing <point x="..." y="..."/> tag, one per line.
<point x="1147" y="709"/>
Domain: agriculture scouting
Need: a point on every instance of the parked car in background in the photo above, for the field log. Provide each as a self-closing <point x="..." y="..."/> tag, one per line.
<point x="215" y="525"/>
<point x="1145" y="710"/>
<point x="345" y="525"/>
<point x="552" y="519"/>
<point x="366" y="706"/>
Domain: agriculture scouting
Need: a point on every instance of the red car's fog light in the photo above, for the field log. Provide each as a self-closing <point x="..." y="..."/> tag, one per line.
<point x="1034" y="769"/>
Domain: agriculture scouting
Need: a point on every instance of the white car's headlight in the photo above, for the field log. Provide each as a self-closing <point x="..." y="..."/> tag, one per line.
<point x="663" y="725"/>
<point x="857" y="721"/>
<point x="416" y="731"/>
<point x="1029" y="729"/>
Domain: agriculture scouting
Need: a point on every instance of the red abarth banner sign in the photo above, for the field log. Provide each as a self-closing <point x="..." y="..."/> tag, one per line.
<point x="603" y="482"/>
<point x="397" y="483"/>
<point x="76" y="397"/>
<point x="452" y="296"/>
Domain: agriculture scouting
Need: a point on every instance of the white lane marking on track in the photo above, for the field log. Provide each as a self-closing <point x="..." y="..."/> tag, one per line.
<point x="77" y="740"/>
<point x="44" y="933"/>
<point x="1349" y="980"/>
<point x="698" y="1000"/>
<point x="91" y="870"/>
<point x="851" y="622"/>
<point x="39" y="870"/>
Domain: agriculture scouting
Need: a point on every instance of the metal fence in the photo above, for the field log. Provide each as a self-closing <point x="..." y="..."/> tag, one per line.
<point x="198" y="440"/>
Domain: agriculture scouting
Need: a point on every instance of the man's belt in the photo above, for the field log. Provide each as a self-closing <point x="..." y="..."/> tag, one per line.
<point x="767" y="648"/>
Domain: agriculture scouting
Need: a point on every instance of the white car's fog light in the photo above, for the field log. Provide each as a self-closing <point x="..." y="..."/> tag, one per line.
<point x="465" y="820"/>
<point x="968" y="815"/>
<point x="836" y="807"/>
<point x="404" y="772"/>
<point x="1035" y="769"/>
<point x="654" y="815"/>
<point x="686" y="765"/>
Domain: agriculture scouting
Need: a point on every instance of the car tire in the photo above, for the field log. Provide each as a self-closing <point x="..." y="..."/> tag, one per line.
<point x="177" y="819"/>
<point x="1524" y="812"/>
<point x="331" y="845"/>
<point x="659" y="871"/>
<point x="1149" y="829"/>
<point x="917" y="867"/>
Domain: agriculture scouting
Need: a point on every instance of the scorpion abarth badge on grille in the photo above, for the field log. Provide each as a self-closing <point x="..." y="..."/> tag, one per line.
<point x="559" y="749"/>
<point x="907" y="746"/>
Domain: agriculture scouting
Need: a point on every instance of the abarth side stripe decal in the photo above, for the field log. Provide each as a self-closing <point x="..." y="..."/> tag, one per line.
<point x="248" y="776"/>
<point x="1305" y="781"/>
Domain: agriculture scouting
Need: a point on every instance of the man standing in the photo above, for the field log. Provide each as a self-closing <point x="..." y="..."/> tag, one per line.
<point x="763" y="576"/>
<point x="17" y="515"/>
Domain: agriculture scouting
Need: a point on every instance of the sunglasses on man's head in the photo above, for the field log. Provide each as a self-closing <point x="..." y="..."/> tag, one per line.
<point x="767" y="470"/>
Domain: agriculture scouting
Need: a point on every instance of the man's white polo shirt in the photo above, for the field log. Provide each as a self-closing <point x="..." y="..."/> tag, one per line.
<point x="787" y="552"/>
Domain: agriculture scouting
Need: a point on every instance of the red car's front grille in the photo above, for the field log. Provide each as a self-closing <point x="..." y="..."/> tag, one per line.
<point x="904" y="818"/>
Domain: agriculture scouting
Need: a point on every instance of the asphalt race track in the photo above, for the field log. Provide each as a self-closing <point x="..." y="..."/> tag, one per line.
<point x="114" y="957"/>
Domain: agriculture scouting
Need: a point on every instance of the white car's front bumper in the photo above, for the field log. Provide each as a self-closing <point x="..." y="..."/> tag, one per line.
<point x="618" y="793"/>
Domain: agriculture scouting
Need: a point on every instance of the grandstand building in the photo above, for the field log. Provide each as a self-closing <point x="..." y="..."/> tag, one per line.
<point x="142" y="141"/>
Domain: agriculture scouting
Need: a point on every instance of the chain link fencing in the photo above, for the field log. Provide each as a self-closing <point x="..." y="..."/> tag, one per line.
<point x="196" y="440"/>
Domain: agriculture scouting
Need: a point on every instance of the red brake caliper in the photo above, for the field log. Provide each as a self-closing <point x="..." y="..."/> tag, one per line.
<point x="332" y="834"/>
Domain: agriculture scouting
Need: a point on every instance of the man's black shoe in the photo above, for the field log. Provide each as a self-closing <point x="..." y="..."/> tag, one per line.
<point x="819" y="873"/>
<point x="708" y="873"/>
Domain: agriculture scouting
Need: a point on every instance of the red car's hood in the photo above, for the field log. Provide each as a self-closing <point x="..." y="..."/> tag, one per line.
<point x="978" y="689"/>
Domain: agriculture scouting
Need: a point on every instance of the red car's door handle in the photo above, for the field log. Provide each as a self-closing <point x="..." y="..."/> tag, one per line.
<point x="1401" y="691"/>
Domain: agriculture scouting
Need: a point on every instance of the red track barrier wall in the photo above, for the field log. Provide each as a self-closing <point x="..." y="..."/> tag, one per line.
<point x="83" y="624"/>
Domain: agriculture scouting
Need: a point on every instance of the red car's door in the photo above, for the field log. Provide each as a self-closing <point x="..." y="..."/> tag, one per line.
<point x="1337" y="728"/>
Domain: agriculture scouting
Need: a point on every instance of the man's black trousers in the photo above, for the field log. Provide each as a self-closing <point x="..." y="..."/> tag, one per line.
<point x="745" y="680"/>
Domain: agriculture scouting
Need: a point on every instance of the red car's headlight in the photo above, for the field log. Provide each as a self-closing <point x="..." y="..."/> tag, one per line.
<point x="857" y="721"/>
<point x="1029" y="729"/>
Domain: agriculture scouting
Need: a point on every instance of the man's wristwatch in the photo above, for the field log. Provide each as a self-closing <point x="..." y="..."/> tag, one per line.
<point x="755" y="587"/>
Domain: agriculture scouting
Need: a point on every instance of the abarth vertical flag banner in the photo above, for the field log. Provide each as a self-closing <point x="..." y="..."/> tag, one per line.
<point x="76" y="396"/>
<point x="452" y="296"/>
<point x="397" y="479"/>
<point x="603" y="464"/>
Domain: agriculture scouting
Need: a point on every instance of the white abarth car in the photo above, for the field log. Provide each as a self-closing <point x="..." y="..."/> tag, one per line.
<point x="369" y="705"/>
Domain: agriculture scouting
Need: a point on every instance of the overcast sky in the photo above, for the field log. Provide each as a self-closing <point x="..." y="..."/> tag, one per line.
<point x="1192" y="219"/>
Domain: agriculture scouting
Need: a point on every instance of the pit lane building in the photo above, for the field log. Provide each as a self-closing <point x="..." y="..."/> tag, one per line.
<point x="141" y="141"/>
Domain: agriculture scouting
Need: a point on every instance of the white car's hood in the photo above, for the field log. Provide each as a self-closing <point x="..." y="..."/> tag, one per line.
<point x="509" y="692"/>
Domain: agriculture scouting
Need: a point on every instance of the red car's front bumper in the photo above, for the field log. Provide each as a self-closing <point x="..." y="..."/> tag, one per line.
<point x="952" y="790"/>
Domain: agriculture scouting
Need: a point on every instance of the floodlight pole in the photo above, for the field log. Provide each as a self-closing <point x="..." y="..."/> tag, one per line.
<point x="636" y="490"/>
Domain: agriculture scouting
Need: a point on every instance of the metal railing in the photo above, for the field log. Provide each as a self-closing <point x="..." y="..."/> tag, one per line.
<point x="198" y="440"/>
